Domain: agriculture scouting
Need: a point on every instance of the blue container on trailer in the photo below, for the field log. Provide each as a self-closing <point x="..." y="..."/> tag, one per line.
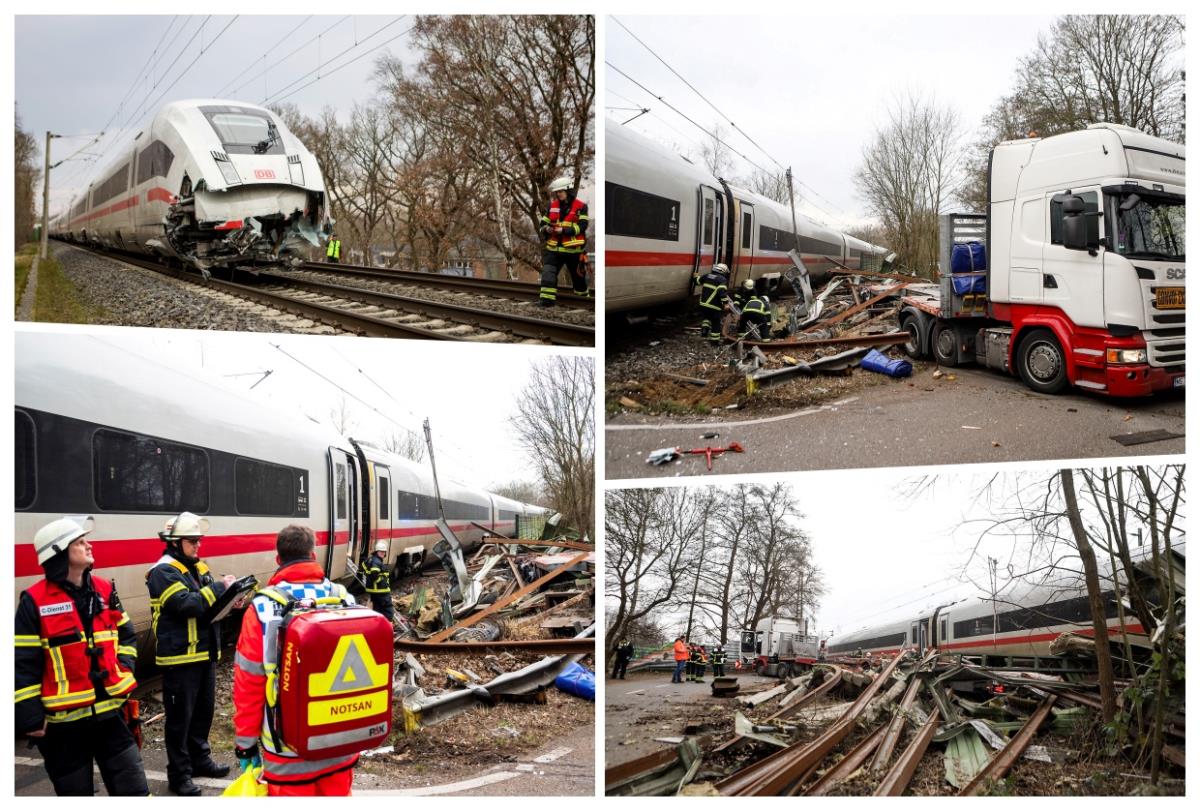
<point x="968" y="257"/>
<point x="966" y="283"/>
<point x="578" y="681"/>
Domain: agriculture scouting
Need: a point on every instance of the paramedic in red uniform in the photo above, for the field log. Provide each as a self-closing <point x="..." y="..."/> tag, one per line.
<point x="75" y="653"/>
<point x="287" y="774"/>
<point x="565" y="229"/>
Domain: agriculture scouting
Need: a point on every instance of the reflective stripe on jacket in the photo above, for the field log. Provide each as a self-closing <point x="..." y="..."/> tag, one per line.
<point x="86" y="667"/>
<point x="574" y="221"/>
<point x="334" y="249"/>
<point x="377" y="577"/>
<point x="713" y="291"/>
<point x="179" y="596"/>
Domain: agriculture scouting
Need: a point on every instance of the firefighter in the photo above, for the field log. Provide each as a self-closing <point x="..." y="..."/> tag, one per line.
<point x="718" y="661"/>
<point x="681" y="660"/>
<point x="379" y="582"/>
<point x="744" y="293"/>
<point x="693" y="663"/>
<point x="756" y="314"/>
<point x="565" y="229"/>
<point x="286" y="774"/>
<point x="75" y="654"/>
<point x="186" y="649"/>
<point x="624" y="654"/>
<point x="333" y="251"/>
<point x="714" y="300"/>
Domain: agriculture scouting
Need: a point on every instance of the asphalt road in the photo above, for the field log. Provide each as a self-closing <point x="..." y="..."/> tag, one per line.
<point x="980" y="416"/>
<point x="566" y="767"/>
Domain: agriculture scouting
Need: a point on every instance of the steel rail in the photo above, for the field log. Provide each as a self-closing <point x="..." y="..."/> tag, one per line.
<point x="538" y="328"/>
<point x="533" y="645"/>
<point x="786" y="712"/>
<point x="888" y="745"/>
<point x="847" y="765"/>
<point x="1003" y="760"/>
<point x="503" y="288"/>
<point x="897" y="779"/>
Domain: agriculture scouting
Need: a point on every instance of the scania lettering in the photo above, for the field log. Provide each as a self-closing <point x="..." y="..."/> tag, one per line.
<point x="1084" y="278"/>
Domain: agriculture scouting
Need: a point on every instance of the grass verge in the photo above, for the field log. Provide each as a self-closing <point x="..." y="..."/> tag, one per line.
<point x="22" y="264"/>
<point x="58" y="300"/>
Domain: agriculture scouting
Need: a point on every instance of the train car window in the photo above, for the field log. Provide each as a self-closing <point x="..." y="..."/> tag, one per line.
<point x="261" y="488"/>
<point x="1091" y="204"/>
<point x="116" y="183"/>
<point x="708" y="222"/>
<point x="154" y="161"/>
<point x="384" y="498"/>
<point x="633" y="213"/>
<point x="340" y="490"/>
<point x="244" y="131"/>
<point x="135" y="473"/>
<point x="25" y="451"/>
<point x="746" y="229"/>
<point x="407" y="506"/>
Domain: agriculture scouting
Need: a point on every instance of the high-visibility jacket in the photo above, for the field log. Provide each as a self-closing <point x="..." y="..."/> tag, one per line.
<point x="681" y="652"/>
<point x="572" y="215"/>
<point x="179" y="596"/>
<point x="377" y="577"/>
<point x="75" y="652"/>
<point x="254" y="669"/>
<point x="334" y="249"/>
<point x="714" y="291"/>
<point x="718" y="656"/>
<point x="755" y="306"/>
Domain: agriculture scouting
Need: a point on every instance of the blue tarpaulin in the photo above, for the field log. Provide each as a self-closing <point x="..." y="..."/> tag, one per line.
<point x="876" y="361"/>
<point x="578" y="681"/>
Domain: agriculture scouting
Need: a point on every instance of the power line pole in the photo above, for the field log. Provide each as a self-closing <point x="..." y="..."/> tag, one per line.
<point x="45" y="236"/>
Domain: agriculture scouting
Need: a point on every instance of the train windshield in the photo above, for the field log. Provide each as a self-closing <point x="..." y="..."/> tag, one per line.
<point x="244" y="131"/>
<point x="1150" y="226"/>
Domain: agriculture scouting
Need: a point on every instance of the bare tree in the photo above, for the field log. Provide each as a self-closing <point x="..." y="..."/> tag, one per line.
<point x="907" y="174"/>
<point x="342" y="417"/>
<point x="555" y="425"/>
<point x="408" y="444"/>
<point x="26" y="176"/>
<point x="365" y="183"/>
<point x="772" y="186"/>
<point x="714" y="154"/>
<point x="521" y="490"/>
<point x="1123" y="69"/>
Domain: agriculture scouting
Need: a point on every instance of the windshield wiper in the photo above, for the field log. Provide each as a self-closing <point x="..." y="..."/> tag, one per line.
<point x="271" y="139"/>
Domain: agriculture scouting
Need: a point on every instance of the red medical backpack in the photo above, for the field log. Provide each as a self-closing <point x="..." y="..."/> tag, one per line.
<point x="335" y="681"/>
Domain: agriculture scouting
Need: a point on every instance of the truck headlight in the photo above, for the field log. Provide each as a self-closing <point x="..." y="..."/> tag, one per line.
<point x="1127" y="356"/>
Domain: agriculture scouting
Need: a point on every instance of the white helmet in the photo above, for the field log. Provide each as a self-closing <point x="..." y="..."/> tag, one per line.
<point x="748" y="284"/>
<point x="381" y="546"/>
<point x="56" y="536"/>
<point x="563" y="183"/>
<point x="184" y="525"/>
<point x="721" y="268"/>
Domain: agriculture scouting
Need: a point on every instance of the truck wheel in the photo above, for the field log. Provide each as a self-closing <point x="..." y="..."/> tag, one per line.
<point x="945" y="345"/>
<point x="912" y="347"/>
<point x="1041" y="362"/>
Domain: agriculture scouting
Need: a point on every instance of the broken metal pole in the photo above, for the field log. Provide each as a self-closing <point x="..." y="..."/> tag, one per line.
<point x="896" y="780"/>
<point x="1003" y="760"/>
<point x="847" y="765"/>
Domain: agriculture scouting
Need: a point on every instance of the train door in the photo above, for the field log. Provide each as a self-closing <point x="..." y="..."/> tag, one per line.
<point x="708" y="230"/>
<point x="342" y="500"/>
<point x="383" y="505"/>
<point x="745" y="261"/>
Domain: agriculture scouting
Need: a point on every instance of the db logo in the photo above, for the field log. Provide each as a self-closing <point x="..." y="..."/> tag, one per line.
<point x="264" y="174"/>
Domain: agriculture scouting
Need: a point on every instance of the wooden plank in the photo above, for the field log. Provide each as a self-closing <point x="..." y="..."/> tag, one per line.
<point x="858" y="308"/>
<point x="442" y="636"/>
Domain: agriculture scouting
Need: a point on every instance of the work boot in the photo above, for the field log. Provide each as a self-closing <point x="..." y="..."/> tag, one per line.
<point x="186" y="788"/>
<point x="545" y="302"/>
<point x="210" y="769"/>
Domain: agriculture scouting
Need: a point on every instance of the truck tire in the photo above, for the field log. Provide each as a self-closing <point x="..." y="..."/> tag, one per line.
<point x="911" y="324"/>
<point x="945" y="345"/>
<point x="1041" y="363"/>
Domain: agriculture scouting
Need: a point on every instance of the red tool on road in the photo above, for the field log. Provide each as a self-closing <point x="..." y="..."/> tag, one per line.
<point x="709" y="453"/>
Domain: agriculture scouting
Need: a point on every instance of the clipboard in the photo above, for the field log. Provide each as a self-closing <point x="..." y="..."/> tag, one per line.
<point x="224" y="604"/>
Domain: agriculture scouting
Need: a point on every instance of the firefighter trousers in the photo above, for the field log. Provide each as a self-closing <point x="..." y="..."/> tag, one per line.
<point x="552" y="263"/>
<point x="70" y="749"/>
<point x="189" y="692"/>
<point x="710" y="323"/>
<point x="619" y="668"/>
<point x="382" y="604"/>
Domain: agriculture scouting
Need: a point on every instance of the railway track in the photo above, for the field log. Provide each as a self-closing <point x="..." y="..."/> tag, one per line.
<point x="501" y="288"/>
<point x="385" y="315"/>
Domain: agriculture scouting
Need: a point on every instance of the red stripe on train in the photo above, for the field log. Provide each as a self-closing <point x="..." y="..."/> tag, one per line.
<point x="1113" y="630"/>
<point x="114" y="553"/>
<point x="624" y="259"/>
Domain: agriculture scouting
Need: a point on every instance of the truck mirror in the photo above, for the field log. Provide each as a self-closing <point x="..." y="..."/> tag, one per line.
<point x="1074" y="223"/>
<point x="1073" y="204"/>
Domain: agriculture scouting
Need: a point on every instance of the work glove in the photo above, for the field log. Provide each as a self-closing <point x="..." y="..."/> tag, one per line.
<point x="249" y="757"/>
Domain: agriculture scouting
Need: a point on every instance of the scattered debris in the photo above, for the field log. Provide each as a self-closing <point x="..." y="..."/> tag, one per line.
<point x="1142" y="437"/>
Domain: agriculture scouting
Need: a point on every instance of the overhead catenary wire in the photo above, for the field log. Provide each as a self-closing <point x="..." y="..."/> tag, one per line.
<point x="292" y="53"/>
<point x="276" y="97"/>
<point x="265" y="54"/>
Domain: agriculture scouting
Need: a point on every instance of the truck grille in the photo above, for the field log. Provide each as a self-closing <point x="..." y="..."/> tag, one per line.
<point x="1165" y="347"/>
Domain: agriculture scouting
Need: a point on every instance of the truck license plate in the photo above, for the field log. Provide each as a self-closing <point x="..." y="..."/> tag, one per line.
<point x="1178" y="382"/>
<point x="1169" y="298"/>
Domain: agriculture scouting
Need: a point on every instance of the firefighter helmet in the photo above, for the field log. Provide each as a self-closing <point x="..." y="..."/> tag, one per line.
<point x="748" y="285"/>
<point x="56" y="536"/>
<point x="563" y="183"/>
<point x="721" y="268"/>
<point x="184" y="525"/>
<point x="381" y="546"/>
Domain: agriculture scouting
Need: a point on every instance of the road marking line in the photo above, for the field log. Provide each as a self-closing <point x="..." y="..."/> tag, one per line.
<point x="716" y="425"/>
<point x="156" y="776"/>
<point x="553" y="755"/>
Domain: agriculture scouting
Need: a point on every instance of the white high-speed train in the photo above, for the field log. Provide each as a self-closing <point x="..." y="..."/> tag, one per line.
<point x="1019" y="624"/>
<point x="210" y="182"/>
<point x="131" y="442"/>
<point x="666" y="219"/>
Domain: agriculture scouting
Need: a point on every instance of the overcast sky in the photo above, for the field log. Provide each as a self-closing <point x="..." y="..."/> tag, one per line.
<point x="469" y="396"/>
<point x="887" y="553"/>
<point x="83" y="74"/>
<point x="811" y="90"/>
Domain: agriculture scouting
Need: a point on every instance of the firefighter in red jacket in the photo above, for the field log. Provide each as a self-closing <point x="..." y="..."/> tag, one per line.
<point x="564" y="228"/>
<point x="254" y="686"/>
<point x="75" y="654"/>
